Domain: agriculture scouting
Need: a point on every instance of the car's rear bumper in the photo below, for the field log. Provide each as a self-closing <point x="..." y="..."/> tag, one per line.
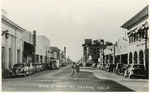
<point x="19" y="74"/>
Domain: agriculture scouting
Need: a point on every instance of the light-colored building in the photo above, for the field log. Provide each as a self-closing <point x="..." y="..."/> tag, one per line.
<point x="108" y="54"/>
<point x="55" y="53"/>
<point x="42" y="50"/>
<point x="137" y="30"/>
<point x="121" y="51"/>
<point x="12" y="43"/>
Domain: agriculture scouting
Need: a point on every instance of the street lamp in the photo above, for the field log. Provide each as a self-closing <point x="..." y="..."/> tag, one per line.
<point x="6" y="33"/>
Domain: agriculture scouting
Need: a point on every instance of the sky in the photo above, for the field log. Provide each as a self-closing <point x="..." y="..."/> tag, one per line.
<point x="68" y="22"/>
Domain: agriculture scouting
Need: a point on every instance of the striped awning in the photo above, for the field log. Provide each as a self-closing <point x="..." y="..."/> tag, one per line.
<point x="145" y="25"/>
<point x="138" y="29"/>
<point x="132" y="31"/>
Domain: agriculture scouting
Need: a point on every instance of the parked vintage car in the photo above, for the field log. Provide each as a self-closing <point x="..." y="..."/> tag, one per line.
<point x="44" y="66"/>
<point x="124" y="67"/>
<point x="36" y="66"/>
<point x="117" y="70"/>
<point x="102" y="67"/>
<point x="93" y="65"/>
<point x="31" y="68"/>
<point x="20" y="69"/>
<point x="89" y="63"/>
<point x="106" y="67"/>
<point x="40" y="67"/>
<point x="110" y="67"/>
<point x="99" y="65"/>
<point x="80" y="64"/>
<point x="135" y="70"/>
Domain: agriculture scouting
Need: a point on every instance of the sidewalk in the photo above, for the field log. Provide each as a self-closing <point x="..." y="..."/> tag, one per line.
<point x="138" y="85"/>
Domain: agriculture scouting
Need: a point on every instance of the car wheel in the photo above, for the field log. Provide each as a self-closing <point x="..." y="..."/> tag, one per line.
<point x="24" y="74"/>
<point x="16" y="73"/>
<point x="29" y="72"/>
<point x="131" y="77"/>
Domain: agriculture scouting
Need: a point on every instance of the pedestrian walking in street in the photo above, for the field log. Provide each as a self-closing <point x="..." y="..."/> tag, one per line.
<point x="74" y="70"/>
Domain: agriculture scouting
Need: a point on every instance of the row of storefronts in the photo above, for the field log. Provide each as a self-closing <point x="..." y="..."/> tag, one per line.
<point x="135" y="48"/>
<point x="131" y="50"/>
<point x="22" y="46"/>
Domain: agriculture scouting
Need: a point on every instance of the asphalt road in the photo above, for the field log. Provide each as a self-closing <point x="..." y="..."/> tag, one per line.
<point x="60" y="80"/>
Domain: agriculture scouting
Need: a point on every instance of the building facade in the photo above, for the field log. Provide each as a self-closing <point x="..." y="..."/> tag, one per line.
<point x="121" y="51"/>
<point x="55" y="53"/>
<point x="42" y="50"/>
<point x="29" y="48"/>
<point x="108" y="54"/>
<point x="137" y="30"/>
<point x="91" y="50"/>
<point x="86" y="44"/>
<point x="12" y="43"/>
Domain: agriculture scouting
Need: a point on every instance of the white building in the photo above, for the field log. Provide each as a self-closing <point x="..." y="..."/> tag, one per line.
<point x="42" y="48"/>
<point x="137" y="30"/>
<point x="12" y="45"/>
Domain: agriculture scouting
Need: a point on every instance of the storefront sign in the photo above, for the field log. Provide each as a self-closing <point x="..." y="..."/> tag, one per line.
<point x="140" y="44"/>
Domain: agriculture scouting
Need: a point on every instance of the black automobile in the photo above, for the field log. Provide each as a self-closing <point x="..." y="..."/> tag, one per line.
<point x="109" y="67"/>
<point x="117" y="70"/>
<point x="20" y="69"/>
<point x="80" y="64"/>
<point x="103" y="66"/>
<point x="36" y="66"/>
<point x="135" y="70"/>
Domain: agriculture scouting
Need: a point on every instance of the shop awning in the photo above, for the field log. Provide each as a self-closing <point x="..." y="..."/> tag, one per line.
<point x="131" y="32"/>
<point x="136" y="30"/>
<point x="145" y="25"/>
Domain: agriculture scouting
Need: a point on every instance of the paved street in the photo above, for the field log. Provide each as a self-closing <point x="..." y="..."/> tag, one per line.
<point x="90" y="80"/>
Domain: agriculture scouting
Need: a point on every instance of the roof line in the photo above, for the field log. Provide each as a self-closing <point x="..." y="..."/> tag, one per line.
<point x="126" y="24"/>
<point x="12" y="23"/>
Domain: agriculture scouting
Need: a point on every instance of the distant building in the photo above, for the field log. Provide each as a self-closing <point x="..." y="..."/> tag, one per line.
<point x="108" y="54"/>
<point x="55" y="53"/>
<point x="42" y="50"/>
<point x="91" y="49"/>
<point x="86" y="44"/>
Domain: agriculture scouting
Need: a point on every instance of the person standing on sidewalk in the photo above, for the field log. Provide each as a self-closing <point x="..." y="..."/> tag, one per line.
<point x="74" y="70"/>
